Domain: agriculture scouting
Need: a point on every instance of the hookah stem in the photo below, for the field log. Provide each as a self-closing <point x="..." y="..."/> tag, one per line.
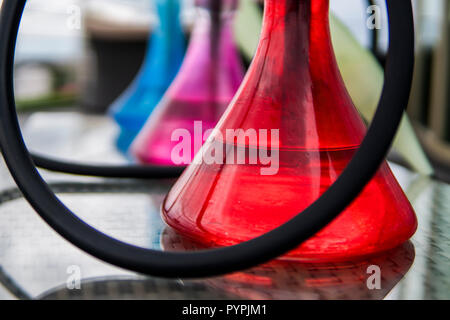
<point x="216" y="28"/>
<point x="374" y="38"/>
<point x="374" y="33"/>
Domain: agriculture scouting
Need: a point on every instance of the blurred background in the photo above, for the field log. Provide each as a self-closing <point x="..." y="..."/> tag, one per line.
<point x="80" y="55"/>
<point x="76" y="58"/>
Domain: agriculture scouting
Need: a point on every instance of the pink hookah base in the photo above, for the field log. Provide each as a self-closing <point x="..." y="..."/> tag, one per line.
<point x="172" y="138"/>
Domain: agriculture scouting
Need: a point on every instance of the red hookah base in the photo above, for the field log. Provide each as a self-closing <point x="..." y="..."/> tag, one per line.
<point x="223" y="205"/>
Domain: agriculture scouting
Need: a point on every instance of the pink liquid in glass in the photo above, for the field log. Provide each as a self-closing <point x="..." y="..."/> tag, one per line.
<point x="207" y="81"/>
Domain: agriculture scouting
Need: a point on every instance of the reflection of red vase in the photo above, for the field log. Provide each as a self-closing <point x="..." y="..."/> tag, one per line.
<point x="293" y="85"/>
<point x="280" y="279"/>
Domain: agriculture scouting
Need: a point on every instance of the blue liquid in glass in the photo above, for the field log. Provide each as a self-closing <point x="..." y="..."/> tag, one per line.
<point x="162" y="61"/>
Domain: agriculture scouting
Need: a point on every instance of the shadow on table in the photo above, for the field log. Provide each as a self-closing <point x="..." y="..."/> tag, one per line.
<point x="116" y="288"/>
<point x="283" y="279"/>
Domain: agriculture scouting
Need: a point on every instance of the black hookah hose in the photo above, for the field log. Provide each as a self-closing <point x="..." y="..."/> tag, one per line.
<point x="360" y="170"/>
<point x="116" y="171"/>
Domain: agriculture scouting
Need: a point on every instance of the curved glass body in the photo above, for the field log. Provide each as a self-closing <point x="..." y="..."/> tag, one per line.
<point x="208" y="79"/>
<point x="293" y="86"/>
<point x="162" y="62"/>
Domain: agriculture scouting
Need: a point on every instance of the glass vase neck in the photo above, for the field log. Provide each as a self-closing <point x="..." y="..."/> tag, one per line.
<point x="211" y="60"/>
<point x="294" y="82"/>
<point x="301" y="29"/>
<point x="168" y="13"/>
<point x="218" y="6"/>
<point x="283" y="7"/>
<point x="166" y="42"/>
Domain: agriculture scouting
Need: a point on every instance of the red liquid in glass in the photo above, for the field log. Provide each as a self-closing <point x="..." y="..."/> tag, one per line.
<point x="294" y="86"/>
